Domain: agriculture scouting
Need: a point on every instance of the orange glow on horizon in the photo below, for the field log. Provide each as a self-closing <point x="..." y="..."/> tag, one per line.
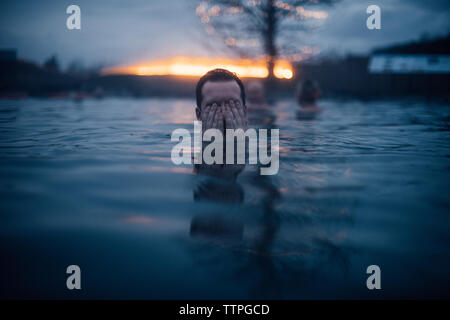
<point x="185" y="66"/>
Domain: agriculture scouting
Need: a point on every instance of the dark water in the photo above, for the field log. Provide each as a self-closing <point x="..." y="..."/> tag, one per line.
<point x="92" y="184"/>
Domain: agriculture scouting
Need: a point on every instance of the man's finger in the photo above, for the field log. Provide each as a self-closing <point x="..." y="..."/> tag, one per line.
<point x="210" y="119"/>
<point x="238" y="118"/>
<point x="219" y="116"/>
<point x="241" y="109"/>
<point x="205" y="112"/>
<point x="215" y="120"/>
<point x="229" y="123"/>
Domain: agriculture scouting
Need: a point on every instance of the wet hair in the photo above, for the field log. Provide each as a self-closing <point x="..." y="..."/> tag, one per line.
<point x="217" y="75"/>
<point x="307" y="92"/>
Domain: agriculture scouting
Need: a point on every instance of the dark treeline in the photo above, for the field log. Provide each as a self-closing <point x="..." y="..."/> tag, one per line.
<point x="350" y="77"/>
<point x="337" y="77"/>
<point x="18" y="77"/>
<point x="344" y="77"/>
<point x="440" y="45"/>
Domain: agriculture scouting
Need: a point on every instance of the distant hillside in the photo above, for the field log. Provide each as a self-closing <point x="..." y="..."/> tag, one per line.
<point x="19" y="75"/>
<point x="432" y="46"/>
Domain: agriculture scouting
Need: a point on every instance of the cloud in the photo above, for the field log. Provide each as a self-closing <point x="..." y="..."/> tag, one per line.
<point x="346" y="31"/>
<point x="122" y="31"/>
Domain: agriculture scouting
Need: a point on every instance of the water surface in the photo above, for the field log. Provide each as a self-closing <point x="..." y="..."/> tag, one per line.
<point x="92" y="184"/>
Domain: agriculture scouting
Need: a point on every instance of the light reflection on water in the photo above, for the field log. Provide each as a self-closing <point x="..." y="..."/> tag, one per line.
<point x="92" y="184"/>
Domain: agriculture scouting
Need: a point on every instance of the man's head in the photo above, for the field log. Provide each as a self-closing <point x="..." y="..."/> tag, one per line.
<point x="217" y="86"/>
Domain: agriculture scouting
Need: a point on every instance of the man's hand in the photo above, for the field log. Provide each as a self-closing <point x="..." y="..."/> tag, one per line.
<point x="229" y="115"/>
<point x="234" y="115"/>
<point x="212" y="118"/>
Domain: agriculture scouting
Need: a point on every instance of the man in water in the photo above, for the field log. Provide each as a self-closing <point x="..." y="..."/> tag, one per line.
<point x="221" y="101"/>
<point x="221" y="105"/>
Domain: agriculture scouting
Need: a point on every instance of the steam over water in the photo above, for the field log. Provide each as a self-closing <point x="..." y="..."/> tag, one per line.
<point x="93" y="184"/>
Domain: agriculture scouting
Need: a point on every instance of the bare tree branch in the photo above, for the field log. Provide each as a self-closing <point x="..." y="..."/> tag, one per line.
<point x="267" y="27"/>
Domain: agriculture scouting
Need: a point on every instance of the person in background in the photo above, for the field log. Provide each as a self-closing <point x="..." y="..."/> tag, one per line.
<point x="259" y="112"/>
<point x="306" y="98"/>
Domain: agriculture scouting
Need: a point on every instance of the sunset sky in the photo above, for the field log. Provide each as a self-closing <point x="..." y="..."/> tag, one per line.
<point x="117" y="32"/>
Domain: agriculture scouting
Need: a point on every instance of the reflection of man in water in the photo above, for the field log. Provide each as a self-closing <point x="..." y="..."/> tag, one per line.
<point x="307" y="97"/>
<point x="220" y="105"/>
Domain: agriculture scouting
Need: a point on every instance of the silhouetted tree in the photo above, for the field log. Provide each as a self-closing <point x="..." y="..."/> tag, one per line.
<point x="262" y="27"/>
<point x="51" y="64"/>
